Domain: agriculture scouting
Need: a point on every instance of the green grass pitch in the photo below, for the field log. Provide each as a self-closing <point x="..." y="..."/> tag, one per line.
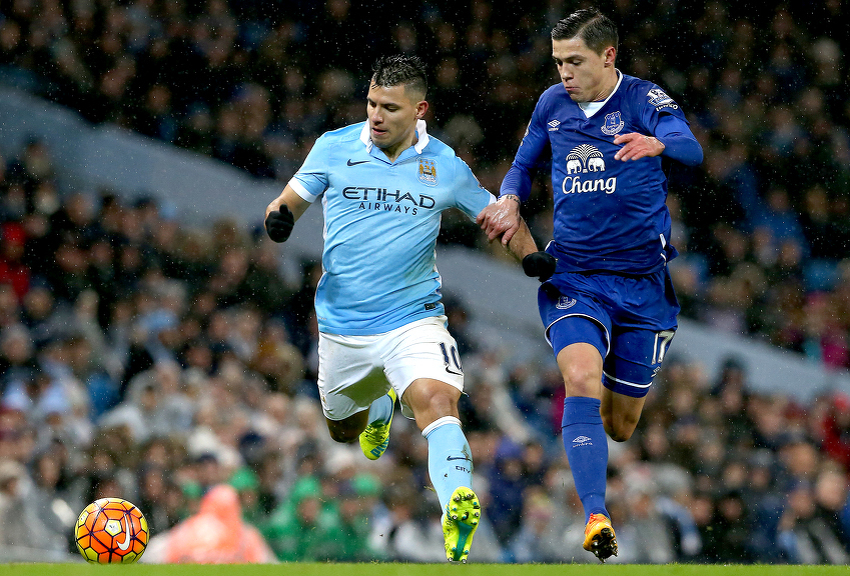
<point x="392" y="569"/>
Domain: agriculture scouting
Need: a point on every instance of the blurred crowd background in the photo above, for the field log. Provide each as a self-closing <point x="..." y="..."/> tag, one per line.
<point x="147" y="358"/>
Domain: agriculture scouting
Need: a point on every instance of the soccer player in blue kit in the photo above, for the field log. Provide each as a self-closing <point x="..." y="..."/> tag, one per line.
<point x="606" y="301"/>
<point x="385" y="183"/>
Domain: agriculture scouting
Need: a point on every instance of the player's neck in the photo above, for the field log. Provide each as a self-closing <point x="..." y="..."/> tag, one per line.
<point x="394" y="151"/>
<point x="608" y="86"/>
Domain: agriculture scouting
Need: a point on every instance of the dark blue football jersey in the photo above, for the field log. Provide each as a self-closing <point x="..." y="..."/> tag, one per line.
<point x="610" y="215"/>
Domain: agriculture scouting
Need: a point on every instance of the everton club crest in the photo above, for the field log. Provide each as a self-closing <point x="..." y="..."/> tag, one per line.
<point x="427" y="172"/>
<point x="613" y="123"/>
<point x="565" y="302"/>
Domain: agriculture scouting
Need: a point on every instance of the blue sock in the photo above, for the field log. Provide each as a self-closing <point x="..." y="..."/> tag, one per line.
<point x="449" y="457"/>
<point x="381" y="409"/>
<point x="587" y="450"/>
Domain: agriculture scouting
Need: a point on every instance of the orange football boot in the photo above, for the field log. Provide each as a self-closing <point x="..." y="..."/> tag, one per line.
<point x="599" y="537"/>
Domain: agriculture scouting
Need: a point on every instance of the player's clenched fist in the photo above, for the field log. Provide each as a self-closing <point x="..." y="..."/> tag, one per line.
<point x="539" y="265"/>
<point x="279" y="223"/>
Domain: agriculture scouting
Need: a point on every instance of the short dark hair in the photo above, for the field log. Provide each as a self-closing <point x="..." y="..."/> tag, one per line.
<point x="400" y="69"/>
<point x="596" y="29"/>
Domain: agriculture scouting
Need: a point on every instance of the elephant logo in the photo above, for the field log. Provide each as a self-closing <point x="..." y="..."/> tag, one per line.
<point x="596" y="164"/>
<point x="583" y="159"/>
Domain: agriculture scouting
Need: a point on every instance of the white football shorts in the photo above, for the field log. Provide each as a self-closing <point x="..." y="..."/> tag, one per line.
<point x="350" y="367"/>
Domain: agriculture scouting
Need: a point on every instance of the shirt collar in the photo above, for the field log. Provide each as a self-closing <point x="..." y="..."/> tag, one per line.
<point x="421" y="131"/>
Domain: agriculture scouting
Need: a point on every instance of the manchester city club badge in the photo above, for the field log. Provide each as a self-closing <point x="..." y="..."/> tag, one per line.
<point x="427" y="172"/>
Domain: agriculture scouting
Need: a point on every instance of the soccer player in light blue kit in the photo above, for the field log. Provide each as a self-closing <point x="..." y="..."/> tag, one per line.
<point x="607" y="302"/>
<point x="384" y="184"/>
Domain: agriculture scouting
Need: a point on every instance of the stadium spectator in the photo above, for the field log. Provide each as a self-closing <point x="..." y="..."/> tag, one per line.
<point x="20" y="520"/>
<point x="215" y="535"/>
<point x="542" y="531"/>
<point x="835" y="430"/>
<point x="405" y="532"/>
<point x="804" y="537"/>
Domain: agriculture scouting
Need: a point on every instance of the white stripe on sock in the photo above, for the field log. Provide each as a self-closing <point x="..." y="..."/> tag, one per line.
<point x="440" y="422"/>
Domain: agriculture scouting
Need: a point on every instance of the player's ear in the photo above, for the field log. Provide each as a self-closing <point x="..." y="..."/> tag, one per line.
<point x="421" y="109"/>
<point x="609" y="55"/>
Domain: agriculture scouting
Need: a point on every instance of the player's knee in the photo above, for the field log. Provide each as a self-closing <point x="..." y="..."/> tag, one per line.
<point x="581" y="380"/>
<point x="342" y="434"/>
<point x="619" y="435"/>
<point x="619" y="429"/>
<point x="431" y="397"/>
<point x="442" y="404"/>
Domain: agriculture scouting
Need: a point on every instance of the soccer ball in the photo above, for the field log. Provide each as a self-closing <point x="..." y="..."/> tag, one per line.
<point x="111" y="531"/>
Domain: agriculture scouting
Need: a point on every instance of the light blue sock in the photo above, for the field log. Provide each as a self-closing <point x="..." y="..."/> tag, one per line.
<point x="587" y="450"/>
<point x="381" y="409"/>
<point x="449" y="457"/>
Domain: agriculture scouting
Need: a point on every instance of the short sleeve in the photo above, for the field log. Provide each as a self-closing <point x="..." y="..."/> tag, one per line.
<point x="470" y="196"/>
<point x="312" y="178"/>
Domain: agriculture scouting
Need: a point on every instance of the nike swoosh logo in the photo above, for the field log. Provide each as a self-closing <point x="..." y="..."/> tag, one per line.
<point x="457" y="458"/>
<point x="350" y="163"/>
<point x="126" y="543"/>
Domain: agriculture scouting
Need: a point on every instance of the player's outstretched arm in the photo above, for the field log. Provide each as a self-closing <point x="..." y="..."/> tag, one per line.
<point x="535" y="263"/>
<point x="673" y="138"/>
<point x="522" y="242"/>
<point x="282" y="212"/>
<point x="501" y="219"/>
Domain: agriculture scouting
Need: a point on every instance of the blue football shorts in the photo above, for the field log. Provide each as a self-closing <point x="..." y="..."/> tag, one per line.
<point x="629" y="319"/>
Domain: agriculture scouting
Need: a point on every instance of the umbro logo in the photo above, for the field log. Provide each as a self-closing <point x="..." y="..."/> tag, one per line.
<point x="581" y="440"/>
<point x="350" y="163"/>
<point x="553" y="125"/>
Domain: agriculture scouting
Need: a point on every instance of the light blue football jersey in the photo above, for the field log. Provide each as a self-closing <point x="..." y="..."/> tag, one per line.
<point x="382" y="219"/>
